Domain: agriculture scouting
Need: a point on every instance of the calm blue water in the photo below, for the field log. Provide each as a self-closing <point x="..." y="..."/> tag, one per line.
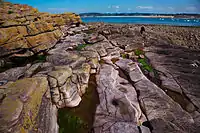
<point x="139" y="20"/>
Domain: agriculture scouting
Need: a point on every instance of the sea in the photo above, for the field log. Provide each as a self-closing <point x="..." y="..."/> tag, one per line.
<point x="144" y="20"/>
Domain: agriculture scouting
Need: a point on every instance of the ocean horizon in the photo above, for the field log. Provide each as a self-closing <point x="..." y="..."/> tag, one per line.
<point x="143" y="20"/>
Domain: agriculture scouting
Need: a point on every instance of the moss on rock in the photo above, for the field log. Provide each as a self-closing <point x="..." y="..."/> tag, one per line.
<point x="27" y="94"/>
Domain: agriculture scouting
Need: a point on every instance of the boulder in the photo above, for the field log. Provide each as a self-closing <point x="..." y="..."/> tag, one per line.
<point x="21" y="96"/>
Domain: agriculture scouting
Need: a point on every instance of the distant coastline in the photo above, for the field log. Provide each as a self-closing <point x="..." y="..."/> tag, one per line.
<point x="133" y="16"/>
<point x="143" y="15"/>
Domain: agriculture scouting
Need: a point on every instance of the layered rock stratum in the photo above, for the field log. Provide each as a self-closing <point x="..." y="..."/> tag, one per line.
<point x="24" y="27"/>
<point x="117" y="79"/>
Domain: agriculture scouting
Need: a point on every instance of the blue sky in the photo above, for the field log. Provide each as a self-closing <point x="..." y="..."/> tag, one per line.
<point x="103" y="6"/>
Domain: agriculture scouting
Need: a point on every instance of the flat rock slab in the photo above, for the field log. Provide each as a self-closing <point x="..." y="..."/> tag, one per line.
<point x="158" y="106"/>
<point x="119" y="110"/>
<point x="20" y="107"/>
<point x="179" y="71"/>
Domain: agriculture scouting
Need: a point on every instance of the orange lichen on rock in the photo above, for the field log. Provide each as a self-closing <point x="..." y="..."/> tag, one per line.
<point x="22" y="26"/>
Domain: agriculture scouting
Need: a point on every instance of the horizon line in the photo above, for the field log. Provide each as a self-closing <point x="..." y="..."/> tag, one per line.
<point x="135" y="13"/>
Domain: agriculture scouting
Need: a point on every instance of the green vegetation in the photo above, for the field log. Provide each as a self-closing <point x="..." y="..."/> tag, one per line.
<point x="143" y="61"/>
<point x="145" y="65"/>
<point x="81" y="46"/>
<point x="139" y="52"/>
<point x="70" y="123"/>
<point x="10" y="12"/>
<point x="124" y="56"/>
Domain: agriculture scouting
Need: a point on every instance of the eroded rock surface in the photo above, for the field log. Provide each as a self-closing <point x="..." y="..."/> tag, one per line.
<point x="25" y="31"/>
<point x="168" y="100"/>
<point x="133" y="98"/>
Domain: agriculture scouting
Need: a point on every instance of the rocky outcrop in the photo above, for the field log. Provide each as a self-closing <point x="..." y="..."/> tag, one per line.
<point x="36" y="91"/>
<point x="21" y="103"/>
<point x="119" y="110"/>
<point x="144" y="83"/>
<point x="24" y="28"/>
<point x="125" y="102"/>
<point x="178" y="69"/>
<point x="166" y="102"/>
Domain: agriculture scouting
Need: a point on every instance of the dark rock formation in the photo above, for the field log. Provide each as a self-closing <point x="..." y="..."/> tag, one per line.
<point x="142" y="30"/>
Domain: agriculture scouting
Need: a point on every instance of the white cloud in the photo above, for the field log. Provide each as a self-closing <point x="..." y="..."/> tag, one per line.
<point x="114" y="6"/>
<point x="170" y="8"/>
<point x="117" y="7"/>
<point x="144" y="7"/>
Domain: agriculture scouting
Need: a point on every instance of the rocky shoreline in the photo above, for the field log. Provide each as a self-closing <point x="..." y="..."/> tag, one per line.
<point x="103" y="78"/>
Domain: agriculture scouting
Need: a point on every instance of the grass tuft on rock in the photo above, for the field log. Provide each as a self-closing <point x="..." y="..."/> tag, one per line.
<point x="145" y="65"/>
<point x="124" y="56"/>
<point x="139" y="52"/>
